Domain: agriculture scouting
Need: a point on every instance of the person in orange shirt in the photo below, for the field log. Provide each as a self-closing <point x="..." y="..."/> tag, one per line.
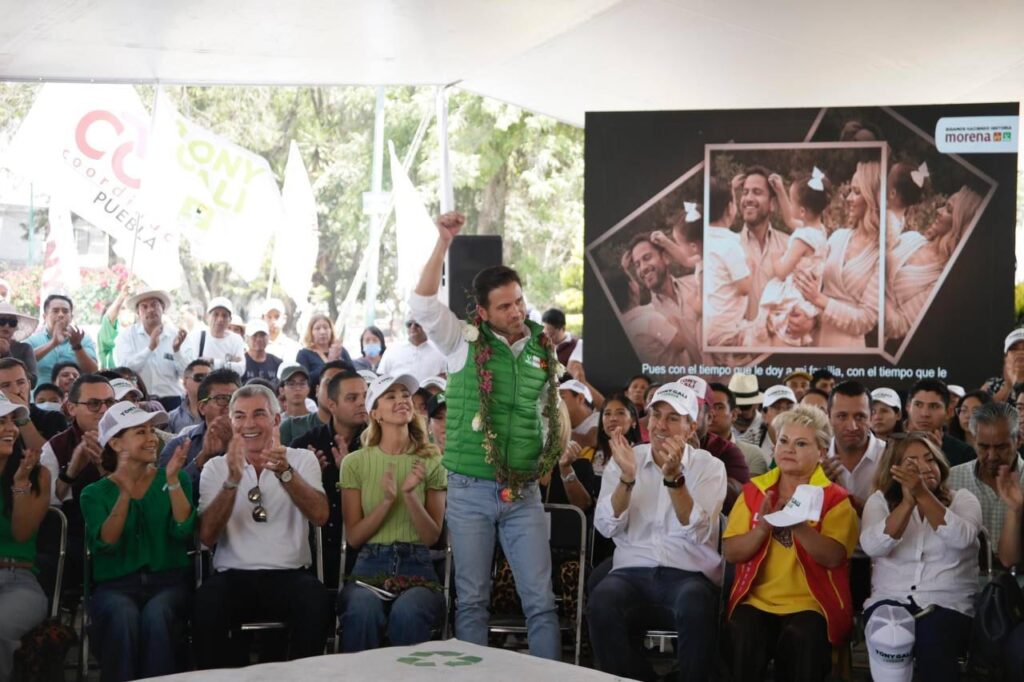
<point x="791" y="596"/>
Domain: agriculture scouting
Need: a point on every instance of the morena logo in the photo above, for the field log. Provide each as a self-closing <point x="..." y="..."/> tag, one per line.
<point x="93" y="138"/>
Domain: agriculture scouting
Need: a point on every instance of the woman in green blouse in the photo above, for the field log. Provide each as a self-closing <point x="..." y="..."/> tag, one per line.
<point x="24" y="496"/>
<point x="393" y="499"/>
<point x="139" y="520"/>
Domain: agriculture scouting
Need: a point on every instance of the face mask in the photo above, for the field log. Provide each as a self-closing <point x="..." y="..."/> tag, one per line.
<point x="371" y="350"/>
<point x="49" y="407"/>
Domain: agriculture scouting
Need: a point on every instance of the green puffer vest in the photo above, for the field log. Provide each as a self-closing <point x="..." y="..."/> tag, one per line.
<point x="515" y="407"/>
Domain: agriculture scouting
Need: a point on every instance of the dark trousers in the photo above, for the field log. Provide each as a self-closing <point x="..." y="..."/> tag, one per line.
<point x="941" y="637"/>
<point x="797" y="641"/>
<point x="1013" y="658"/>
<point x="230" y="598"/>
<point x="630" y="601"/>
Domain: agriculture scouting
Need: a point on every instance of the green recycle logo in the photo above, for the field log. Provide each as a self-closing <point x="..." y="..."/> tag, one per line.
<point x="421" y="659"/>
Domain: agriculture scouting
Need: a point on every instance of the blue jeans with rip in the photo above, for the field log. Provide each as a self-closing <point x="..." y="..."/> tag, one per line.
<point x="410" y="619"/>
<point x="476" y="516"/>
<point x="138" y="624"/>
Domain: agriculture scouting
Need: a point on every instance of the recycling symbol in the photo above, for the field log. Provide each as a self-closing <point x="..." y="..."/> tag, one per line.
<point x="422" y="659"/>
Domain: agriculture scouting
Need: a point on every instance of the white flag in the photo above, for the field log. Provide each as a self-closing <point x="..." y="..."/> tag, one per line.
<point x="297" y="239"/>
<point x="224" y="198"/>
<point x="415" y="230"/>
<point x="61" y="274"/>
<point x="87" y="144"/>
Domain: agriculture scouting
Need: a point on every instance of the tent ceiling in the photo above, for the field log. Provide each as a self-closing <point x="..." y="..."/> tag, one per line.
<point x="559" y="57"/>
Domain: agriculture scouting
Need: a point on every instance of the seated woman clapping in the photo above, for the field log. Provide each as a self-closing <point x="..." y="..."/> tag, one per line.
<point x="139" y="520"/>
<point x="393" y="501"/>
<point x="791" y="596"/>
<point x="24" y="495"/>
<point x="923" y="542"/>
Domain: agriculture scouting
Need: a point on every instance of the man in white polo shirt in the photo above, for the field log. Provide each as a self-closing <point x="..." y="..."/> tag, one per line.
<point x="255" y="504"/>
<point x="660" y="503"/>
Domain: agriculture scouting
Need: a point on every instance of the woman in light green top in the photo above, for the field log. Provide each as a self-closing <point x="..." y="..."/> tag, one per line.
<point x="392" y="499"/>
<point x="138" y="521"/>
<point x="24" y="496"/>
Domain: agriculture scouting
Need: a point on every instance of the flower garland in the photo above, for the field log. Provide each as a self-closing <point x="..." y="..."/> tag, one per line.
<point x="515" y="480"/>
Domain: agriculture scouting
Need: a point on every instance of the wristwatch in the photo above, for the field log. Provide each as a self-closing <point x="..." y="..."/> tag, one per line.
<point x="229" y="485"/>
<point x="677" y="483"/>
<point x="63" y="475"/>
<point x="286" y="475"/>
<point x="570" y="477"/>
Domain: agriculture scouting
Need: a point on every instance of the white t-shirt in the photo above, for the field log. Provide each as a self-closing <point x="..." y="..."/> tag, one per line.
<point x="725" y="265"/>
<point x="422" y="361"/>
<point x="577" y="352"/>
<point x="282" y="542"/>
<point x="284" y="347"/>
<point x="217" y="350"/>
<point x="587" y="424"/>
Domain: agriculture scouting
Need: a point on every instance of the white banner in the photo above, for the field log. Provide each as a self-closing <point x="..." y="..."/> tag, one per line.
<point x="60" y="262"/>
<point x="297" y="241"/>
<point x="224" y="198"/>
<point x="416" y="233"/>
<point x="87" y="144"/>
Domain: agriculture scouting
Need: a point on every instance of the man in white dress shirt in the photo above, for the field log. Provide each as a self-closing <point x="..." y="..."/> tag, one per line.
<point x="660" y="503"/>
<point x="854" y="453"/>
<point x="419" y="357"/>
<point x="255" y="504"/>
<point x="154" y="350"/>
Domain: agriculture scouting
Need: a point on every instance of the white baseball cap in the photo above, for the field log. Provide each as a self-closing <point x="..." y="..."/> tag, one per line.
<point x="368" y="375"/>
<point x="381" y="384"/>
<point x="805" y="505"/>
<point x="887" y="396"/>
<point x="577" y="387"/>
<point x="680" y="398"/>
<point x="125" y="415"/>
<point x="778" y="392"/>
<point x="1016" y="336"/>
<point x="698" y="386"/>
<point x="956" y="390"/>
<point x="439" y="382"/>
<point x="122" y="387"/>
<point x="220" y="302"/>
<point x="7" y="407"/>
<point x="273" y="304"/>
<point x="254" y="327"/>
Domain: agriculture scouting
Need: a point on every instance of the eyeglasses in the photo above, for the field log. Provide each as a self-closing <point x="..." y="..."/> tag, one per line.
<point x="296" y="383"/>
<point x="95" y="404"/>
<point x="198" y="378"/>
<point x="11" y="322"/>
<point x="259" y="514"/>
<point x="219" y="400"/>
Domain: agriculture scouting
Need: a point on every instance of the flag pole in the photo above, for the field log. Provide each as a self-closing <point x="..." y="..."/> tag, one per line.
<point x="138" y="213"/>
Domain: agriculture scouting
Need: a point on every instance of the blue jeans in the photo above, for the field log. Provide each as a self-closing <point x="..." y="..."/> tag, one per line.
<point x="629" y="601"/>
<point x="412" y="617"/>
<point x="475" y="515"/>
<point x="23" y="605"/>
<point x="138" y="624"/>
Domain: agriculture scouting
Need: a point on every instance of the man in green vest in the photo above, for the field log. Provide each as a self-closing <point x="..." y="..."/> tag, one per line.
<point x="499" y="437"/>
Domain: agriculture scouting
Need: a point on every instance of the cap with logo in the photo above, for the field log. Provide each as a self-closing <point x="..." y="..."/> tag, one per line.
<point x="699" y="387"/>
<point x="777" y="393"/>
<point x="123" y="388"/>
<point x="744" y="387"/>
<point x="368" y="375"/>
<point x="125" y="415"/>
<point x="805" y="505"/>
<point x="887" y="396"/>
<point x="680" y="398"/>
<point x="1016" y="336"/>
<point x="7" y="407"/>
<point x="577" y="387"/>
<point x="438" y="382"/>
<point x="380" y="386"/>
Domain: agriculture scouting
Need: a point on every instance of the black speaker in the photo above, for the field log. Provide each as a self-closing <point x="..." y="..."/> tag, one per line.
<point x="468" y="255"/>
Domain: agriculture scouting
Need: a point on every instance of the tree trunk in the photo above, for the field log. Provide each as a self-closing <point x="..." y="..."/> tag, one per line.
<point x="492" y="204"/>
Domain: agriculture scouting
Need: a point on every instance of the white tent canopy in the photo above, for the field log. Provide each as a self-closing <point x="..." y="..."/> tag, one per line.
<point x="557" y="57"/>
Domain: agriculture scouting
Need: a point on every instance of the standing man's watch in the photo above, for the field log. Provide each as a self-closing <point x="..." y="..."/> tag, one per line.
<point x="286" y="475"/>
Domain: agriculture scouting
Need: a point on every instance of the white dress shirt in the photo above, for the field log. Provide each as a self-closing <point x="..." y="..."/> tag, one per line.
<point x="931" y="566"/>
<point x="282" y="542"/>
<point x="160" y="369"/>
<point x="861" y="481"/>
<point x="422" y="361"/>
<point x="648" y="533"/>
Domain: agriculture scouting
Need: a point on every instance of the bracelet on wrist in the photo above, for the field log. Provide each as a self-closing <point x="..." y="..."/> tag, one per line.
<point x="15" y="490"/>
<point x="172" y="486"/>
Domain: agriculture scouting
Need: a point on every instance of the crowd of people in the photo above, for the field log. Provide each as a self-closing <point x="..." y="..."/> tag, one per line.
<point x="802" y="507"/>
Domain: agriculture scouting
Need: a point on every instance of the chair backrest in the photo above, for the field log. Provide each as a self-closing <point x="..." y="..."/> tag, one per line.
<point x="62" y="547"/>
